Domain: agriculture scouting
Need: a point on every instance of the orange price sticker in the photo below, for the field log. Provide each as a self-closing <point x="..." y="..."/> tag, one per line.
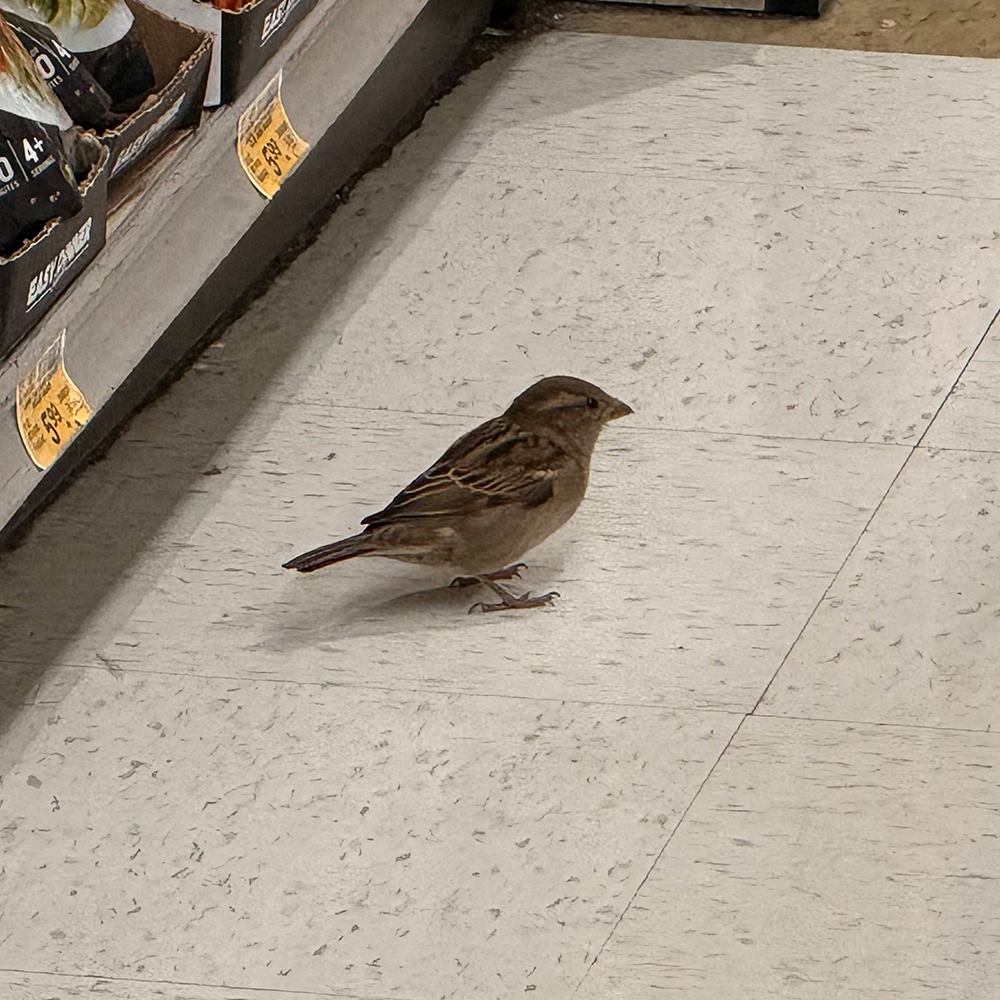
<point x="49" y="407"/>
<point x="269" y="148"/>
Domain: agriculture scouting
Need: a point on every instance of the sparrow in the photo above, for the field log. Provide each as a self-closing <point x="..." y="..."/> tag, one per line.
<point x="497" y="492"/>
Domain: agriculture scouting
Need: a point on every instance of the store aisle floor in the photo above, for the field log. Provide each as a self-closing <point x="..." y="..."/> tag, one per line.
<point x="749" y="753"/>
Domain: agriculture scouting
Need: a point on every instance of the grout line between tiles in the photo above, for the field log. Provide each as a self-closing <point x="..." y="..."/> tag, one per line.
<point x="924" y="727"/>
<point x="274" y="990"/>
<point x="731" y="182"/>
<point x="878" y="507"/>
<point x="935" y="448"/>
<point x="437" y="692"/>
<point x="115" y="668"/>
<point x="660" y="853"/>
<point x="706" y="431"/>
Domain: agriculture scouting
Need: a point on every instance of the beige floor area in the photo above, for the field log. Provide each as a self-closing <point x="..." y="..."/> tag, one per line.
<point x="751" y="752"/>
<point x="952" y="28"/>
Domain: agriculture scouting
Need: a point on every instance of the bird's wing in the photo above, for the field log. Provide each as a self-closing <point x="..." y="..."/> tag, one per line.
<point x="494" y="464"/>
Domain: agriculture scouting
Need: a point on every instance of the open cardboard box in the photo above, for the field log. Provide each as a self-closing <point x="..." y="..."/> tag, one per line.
<point x="245" y="39"/>
<point x="180" y="56"/>
<point x="35" y="276"/>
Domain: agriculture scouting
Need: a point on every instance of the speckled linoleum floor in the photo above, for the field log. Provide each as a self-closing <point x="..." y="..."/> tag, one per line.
<point x="751" y="753"/>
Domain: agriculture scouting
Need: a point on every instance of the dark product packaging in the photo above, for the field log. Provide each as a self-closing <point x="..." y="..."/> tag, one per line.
<point x="33" y="277"/>
<point x="179" y="56"/>
<point x="85" y="100"/>
<point x="36" y="181"/>
<point x="123" y="69"/>
<point x="245" y="39"/>
<point x="155" y="79"/>
<point x="98" y="33"/>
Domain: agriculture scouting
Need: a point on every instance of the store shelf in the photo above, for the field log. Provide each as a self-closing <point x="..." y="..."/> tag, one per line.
<point x="193" y="234"/>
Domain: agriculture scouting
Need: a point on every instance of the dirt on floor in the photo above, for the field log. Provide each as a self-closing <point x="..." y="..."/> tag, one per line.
<point x="937" y="27"/>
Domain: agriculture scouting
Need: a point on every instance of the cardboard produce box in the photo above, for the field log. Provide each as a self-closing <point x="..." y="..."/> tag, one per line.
<point x="180" y="56"/>
<point x="36" y="275"/>
<point x="245" y="39"/>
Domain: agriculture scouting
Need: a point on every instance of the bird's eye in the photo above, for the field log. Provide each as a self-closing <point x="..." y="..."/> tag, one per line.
<point x="592" y="403"/>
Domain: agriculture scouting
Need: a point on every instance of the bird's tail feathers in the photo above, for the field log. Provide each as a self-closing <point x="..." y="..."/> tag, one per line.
<point x="346" y="548"/>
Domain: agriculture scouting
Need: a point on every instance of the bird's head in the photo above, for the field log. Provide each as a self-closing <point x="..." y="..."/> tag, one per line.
<point x="569" y="408"/>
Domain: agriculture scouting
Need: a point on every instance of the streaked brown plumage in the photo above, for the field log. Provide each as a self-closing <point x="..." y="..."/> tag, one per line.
<point x="494" y="494"/>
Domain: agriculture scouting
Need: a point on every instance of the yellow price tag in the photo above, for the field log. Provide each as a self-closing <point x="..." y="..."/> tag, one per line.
<point x="268" y="146"/>
<point x="50" y="409"/>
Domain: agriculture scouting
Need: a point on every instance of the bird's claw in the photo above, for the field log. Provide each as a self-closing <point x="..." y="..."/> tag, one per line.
<point x="507" y="573"/>
<point x="510" y="572"/>
<point x="515" y="602"/>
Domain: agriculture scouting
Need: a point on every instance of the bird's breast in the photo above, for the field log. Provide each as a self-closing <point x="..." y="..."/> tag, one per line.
<point x="501" y="535"/>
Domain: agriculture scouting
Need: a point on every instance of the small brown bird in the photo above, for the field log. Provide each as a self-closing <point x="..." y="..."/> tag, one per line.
<point x="494" y="494"/>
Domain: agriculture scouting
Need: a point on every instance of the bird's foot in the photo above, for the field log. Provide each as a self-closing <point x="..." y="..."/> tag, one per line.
<point x="509" y="601"/>
<point x="507" y="573"/>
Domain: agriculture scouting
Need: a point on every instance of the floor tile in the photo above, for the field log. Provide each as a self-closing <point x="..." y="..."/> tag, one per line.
<point x="714" y="306"/>
<point x="305" y="838"/>
<point x="684" y="578"/>
<point x="907" y="632"/>
<point x="823" y="861"/>
<point x="808" y="118"/>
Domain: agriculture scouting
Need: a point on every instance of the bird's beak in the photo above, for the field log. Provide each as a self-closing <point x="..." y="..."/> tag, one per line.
<point x="620" y="409"/>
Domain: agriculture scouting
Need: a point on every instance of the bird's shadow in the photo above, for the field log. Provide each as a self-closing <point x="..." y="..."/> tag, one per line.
<point x="337" y="606"/>
<point x="320" y="614"/>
